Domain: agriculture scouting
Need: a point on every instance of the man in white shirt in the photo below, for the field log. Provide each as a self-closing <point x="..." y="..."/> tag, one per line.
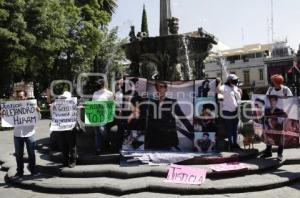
<point x="24" y="134"/>
<point x="231" y="98"/>
<point x="277" y="89"/>
<point x="102" y="94"/>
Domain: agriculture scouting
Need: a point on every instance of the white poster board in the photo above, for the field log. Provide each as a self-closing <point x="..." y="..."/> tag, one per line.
<point x="19" y="113"/>
<point x="63" y="114"/>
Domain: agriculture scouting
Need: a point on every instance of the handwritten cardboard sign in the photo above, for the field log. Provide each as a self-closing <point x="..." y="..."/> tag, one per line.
<point x="228" y="167"/>
<point x="19" y="113"/>
<point x="186" y="175"/>
<point x="64" y="114"/>
<point x="99" y="112"/>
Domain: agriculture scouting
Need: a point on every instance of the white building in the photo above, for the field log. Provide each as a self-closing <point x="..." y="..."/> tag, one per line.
<point x="248" y="62"/>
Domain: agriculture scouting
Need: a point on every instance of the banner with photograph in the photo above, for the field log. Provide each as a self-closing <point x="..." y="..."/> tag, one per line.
<point x="205" y="113"/>
<point x="161" y="115"/>
<point x="134" y="112"/>
<point x="64" y="114"/>
<point x="19" y="113"/>
<point x="170" y="116"/>
<point x="279" y="119"/>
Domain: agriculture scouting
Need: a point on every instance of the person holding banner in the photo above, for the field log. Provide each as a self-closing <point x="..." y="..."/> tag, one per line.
<point x="231" y="98"/>
<point x="276" y="90"/>
<point x="102" y="94"/>
<point x="24" y="135"/>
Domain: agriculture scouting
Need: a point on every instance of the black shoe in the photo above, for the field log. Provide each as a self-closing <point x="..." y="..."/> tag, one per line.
<point x="35" y="173"/>
<point x="266" y="155"/>
<point x="98" y="152"/>
<point x="279" y="157"/>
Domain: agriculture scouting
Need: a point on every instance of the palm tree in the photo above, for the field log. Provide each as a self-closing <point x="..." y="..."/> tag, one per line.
<point x="109" y="6"/>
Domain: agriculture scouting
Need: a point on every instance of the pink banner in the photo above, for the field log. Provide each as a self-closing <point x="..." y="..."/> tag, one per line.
<point x="186" y="175"/>
<point x="228" y="167"/>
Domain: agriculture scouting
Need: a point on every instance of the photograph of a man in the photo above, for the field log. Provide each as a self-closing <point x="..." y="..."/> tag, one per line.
<point x="274" y="110"/>
<point x="161" y="133"/>
<point x="205" y="143"/>
<point x="258" y="110"/>
<point x="205" y="122"/>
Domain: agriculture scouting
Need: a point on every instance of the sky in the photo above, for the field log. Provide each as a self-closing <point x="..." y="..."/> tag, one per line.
<point x="234" y="22"/>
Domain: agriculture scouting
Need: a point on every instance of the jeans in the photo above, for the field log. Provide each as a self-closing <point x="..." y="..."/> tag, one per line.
<point x="19" y="151"/>
<point x="69" y="149"/>
<point x="100" y="136"/>
<point x="231" y="125"/>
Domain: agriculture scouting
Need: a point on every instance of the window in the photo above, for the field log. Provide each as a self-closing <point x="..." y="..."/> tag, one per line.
<point x="232" y="72"/>
<point x="261" y="74"/>
<point x="246" y="77"/>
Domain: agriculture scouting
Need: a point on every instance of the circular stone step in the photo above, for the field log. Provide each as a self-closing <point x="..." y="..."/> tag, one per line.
<point x="223" y="157"/>
<point x="116" y="171"/>
<point x="272" y="179"/>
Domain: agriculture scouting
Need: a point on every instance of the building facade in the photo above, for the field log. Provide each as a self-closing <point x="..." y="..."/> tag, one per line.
<point x="254" y="64"/>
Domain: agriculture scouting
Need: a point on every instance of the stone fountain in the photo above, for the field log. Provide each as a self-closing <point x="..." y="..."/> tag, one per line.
<point x="170" y="56"/>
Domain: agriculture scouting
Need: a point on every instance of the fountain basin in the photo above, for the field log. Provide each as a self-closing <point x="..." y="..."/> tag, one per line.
<point x="140" y="51"/>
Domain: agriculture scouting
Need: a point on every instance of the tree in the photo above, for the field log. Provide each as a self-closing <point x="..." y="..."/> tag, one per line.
<point x="144" y="27"/>
<point x="43" y="40"/>
<point x="14" y="40"/>
<point x="111" y="55"/>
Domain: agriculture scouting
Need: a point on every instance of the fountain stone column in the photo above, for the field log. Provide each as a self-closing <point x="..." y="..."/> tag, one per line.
<point x="165" y="14"/>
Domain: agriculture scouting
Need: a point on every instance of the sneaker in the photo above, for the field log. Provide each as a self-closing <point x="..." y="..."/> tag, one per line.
<point x="266" y="155"/>
<point x="72" y="164"/>
<point x="279" y="158"/>
<point x="35" y="174"/>
<point x="18" y="175"/>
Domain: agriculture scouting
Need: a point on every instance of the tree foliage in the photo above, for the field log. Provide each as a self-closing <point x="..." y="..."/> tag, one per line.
<point x="42" y="40"/>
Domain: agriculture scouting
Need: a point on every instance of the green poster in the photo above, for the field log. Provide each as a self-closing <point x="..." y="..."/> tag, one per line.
<point x="99" y="112"/>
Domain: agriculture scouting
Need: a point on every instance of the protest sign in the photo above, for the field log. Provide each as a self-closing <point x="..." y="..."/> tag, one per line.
<point x="228" y="167"/>
<point x="19" y="113"/>
<point x="186" y="175"/>
<point x="64" y="114"/>
<point x="99" y="112"/>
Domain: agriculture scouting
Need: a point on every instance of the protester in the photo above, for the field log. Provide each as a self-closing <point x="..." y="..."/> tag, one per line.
<point x="68" y="139"/>
<point x="277" y="89"/>
<point x="231" y="99"/>
<point x="24" y="135"/>
<point x="162" y="131"/>
<point x="102" y="94"/>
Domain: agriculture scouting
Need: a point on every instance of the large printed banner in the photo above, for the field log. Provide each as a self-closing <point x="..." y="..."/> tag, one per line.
<point x="276" y="119"/>
<point x="161" y="115"/>
<point x="64" y="114"/>
<point x="19" y="113"/>
<point x="99" y="112"/>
